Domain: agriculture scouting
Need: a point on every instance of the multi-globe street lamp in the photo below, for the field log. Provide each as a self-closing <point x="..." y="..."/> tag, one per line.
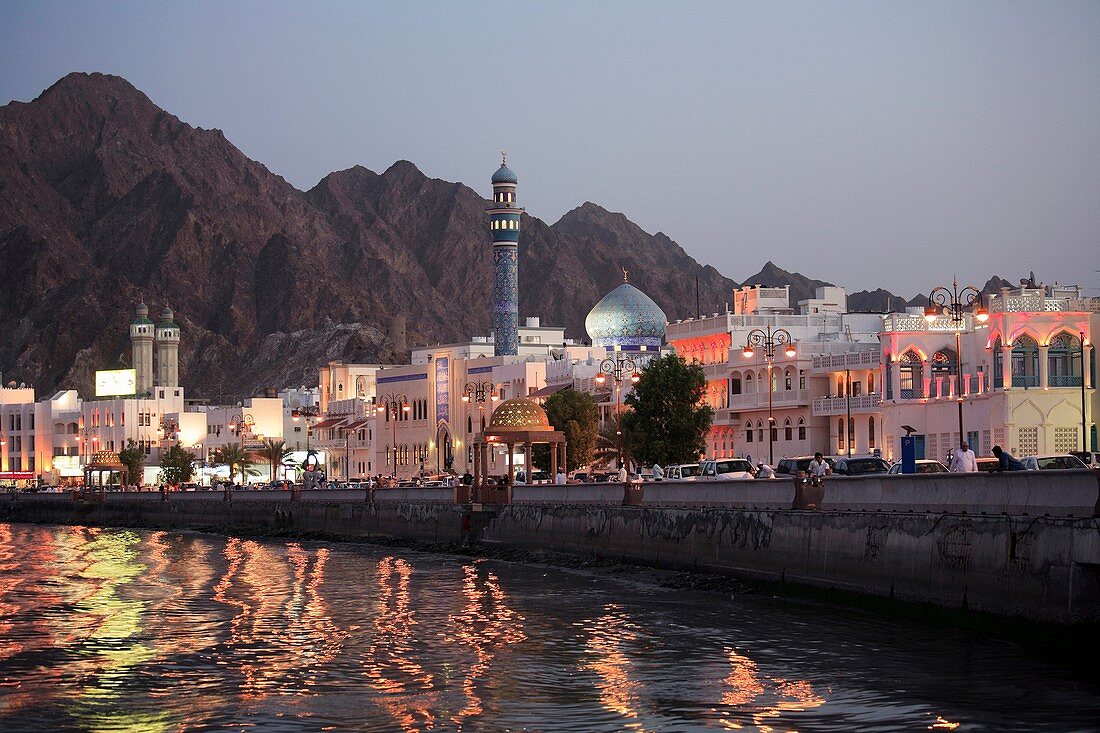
<point x="393" y="405"/>
<point x="953" y="303"/>
<point x="619" y="368"/>
<point x="308" y="413"/>
<point x="479" y="393"/>
<point x="768" y="341"/>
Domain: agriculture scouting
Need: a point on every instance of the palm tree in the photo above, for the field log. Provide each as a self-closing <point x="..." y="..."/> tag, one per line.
<point x="274" y="451"/>
<point x="234" y="456"/>
<point x="607" y="444"/>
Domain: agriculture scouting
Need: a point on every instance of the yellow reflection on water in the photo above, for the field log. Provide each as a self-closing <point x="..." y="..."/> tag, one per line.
<point x="406" y="689"/>
<point x="485" y="623"/>
<point x="619" y="692"/>
<point x="943" y="723"/>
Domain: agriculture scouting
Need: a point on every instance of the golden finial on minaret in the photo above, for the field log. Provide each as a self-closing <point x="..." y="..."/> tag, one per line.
<point x="626" y="274"/>
<point x="504" y="157"/>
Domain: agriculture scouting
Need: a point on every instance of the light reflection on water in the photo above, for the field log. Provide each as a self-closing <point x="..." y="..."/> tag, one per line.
<point x="121" y="630"/>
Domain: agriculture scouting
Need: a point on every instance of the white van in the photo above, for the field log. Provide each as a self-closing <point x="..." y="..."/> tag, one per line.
<point x="682" y="472"/>
<point x="724" y="469"/>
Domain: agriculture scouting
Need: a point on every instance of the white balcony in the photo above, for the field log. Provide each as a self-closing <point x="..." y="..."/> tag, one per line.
<point x="759" y="400"/>
<point x="866" y="359"/>
<point x="840" y="405"/>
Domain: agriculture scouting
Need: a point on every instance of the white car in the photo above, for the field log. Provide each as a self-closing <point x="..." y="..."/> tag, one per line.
<point x="682" y="472"/>
<point x="1053" y="461"/>
<point x="724" y="469"/>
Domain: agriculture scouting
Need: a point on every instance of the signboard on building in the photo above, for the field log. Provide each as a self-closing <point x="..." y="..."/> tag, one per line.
<point x="115" y="382"/>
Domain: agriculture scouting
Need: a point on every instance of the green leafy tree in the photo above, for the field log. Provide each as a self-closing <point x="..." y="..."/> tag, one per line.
<point x="235" y="457"/>
<point x="578" y="416"/>
<point x="668" y="422"/>
<point x="177" y="466"/>
<point x="274" y="451"/>
<point x="133" y="457"/>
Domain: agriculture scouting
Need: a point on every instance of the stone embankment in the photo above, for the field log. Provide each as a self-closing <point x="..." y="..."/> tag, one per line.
<point x="1023" y="545"/>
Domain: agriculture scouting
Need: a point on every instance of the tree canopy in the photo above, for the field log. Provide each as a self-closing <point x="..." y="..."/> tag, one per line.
<point x="234" y="456"/>
<point x="133" y="457"/>
<point x="177" y="466"/>
<point x="578" y="416"/>
<point x="668" y="422"/>
<point x="274" y="451"/>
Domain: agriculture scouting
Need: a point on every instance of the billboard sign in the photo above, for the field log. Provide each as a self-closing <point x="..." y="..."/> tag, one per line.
<point x="115" y="382"/>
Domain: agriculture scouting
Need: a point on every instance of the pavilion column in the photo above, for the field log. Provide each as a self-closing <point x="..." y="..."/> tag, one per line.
<point x="527" y="466"/>
<point x="511" y="463"/>
<point x="1043" y="367"/>
<point x="926" y="377"/>
<point x="1006" y="366"/>
<point x="477" y="465"/>
<point x="553" y="460"/>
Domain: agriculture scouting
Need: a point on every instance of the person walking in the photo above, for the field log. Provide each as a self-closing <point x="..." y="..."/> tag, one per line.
<point x="963" y="460"/>
<point x="622" y="474"/>
<point x="559" y="477"/>
<point x="1005" y="460"/>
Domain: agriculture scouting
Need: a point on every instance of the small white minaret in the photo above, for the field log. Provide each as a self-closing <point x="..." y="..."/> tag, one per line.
<point x="141" y="343"/>
<point x="168" y="350"/>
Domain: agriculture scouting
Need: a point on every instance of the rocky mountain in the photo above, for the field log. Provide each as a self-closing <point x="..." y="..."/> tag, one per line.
<point x="106" y="199"/>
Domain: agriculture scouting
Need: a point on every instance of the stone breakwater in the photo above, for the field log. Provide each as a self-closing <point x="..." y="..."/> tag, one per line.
<point x="1016" y="546"/>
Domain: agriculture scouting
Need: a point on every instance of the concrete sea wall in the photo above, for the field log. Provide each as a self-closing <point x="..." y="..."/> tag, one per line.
<point x="1023" y="545"/>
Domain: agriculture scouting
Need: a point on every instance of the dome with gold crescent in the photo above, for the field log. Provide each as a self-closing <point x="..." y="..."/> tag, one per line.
<point x="519" y="413"/>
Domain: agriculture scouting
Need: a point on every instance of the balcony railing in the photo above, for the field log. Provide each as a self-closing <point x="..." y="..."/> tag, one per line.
<point x="1025" y="380"/>
<point x="757" y="400"/>
<point x="838" y="362"/>
<point x="840" y="405"/>
<point x="1064" y="380"/>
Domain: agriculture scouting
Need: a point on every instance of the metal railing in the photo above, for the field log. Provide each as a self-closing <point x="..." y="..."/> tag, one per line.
<point x="840" y="405"/>
<point x="1064" y="380"/>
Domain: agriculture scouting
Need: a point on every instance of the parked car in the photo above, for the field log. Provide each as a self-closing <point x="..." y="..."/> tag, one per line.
<point x="1052" y="462"/>
<point x="538" y="477"/>
<point x="725" y="469"/>
<point x="924" y="465"/>
<point x="682" y="472"/>
<point x="860" y="466"/>
<point x="1089" y="458"/>
<point x="798" y="464"/>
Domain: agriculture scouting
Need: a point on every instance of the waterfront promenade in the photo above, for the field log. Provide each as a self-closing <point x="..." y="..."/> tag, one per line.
<point x="1019" y="545"/>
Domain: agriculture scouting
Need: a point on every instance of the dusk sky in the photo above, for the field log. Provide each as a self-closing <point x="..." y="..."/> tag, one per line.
<point x="882" y="144"/>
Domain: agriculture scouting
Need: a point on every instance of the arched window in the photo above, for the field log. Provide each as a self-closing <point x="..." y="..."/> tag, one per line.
<point x="750" y="383"/>
<point x="871" y="432"/>
<point x="998" y="364"/>
<point x="469" y="424"/>
<point x="1063" y="364"/>
<point x="1025" y="362"/>
<point x="774" y="427"/>
<point x="788" y="431"/>
<point x="788" y="379"/>
<point x="760" y="431"/>
<point x="801" y="429"/>
<point x="870" y="383"/>
<point x="748" y="432"/>
<point x="912" y="378"/>
<point x="841" y="438"/>
<point x="852" y="433"/>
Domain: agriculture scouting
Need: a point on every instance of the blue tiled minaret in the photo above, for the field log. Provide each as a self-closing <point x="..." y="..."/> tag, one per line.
<point x="504" y="227"/>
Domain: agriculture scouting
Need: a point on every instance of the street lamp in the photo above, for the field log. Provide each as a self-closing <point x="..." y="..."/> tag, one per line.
<point x="479" y="393"/>
<point x="309" y="413"/>
<point x="952" y="303"/>
<point x="392" y="405"/>
<point x="768" y="341"/>
<point x="619" y="368"/>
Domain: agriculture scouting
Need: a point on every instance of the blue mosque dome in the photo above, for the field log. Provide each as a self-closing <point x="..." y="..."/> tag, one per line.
<point x="628" y="318"/>
<point x="505" y="174"/>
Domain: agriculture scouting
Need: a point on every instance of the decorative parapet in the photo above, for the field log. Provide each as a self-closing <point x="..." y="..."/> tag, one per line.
<point x="841" y="405"/>
<point x="864" y="359"/>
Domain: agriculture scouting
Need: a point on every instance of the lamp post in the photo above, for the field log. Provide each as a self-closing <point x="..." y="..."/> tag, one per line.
<point x="309" y="413"/>
<point x="619" y="367"/>
<point x="479" y="393"/>
<point x="1084" y="423"/>
<point x="392" y="405"/>
<point x="768" y="341"/>
<point x="952" y="303"/>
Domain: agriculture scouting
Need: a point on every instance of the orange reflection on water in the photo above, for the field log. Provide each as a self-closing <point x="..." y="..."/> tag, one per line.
<point x="762" y="700"/>
<point x="618" y="691"/>
<point x="943" y="723"/>
<point x="485" y="623"/>
<point x="310" y="627"/>
<point x="406" y="688"/>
